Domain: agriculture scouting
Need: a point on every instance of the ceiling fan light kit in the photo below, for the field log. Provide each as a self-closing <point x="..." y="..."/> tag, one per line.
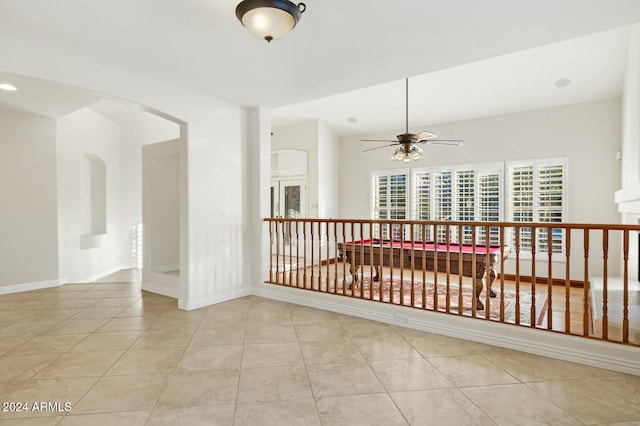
<point x="269" y="19"/>
<point x="407" y="149"/>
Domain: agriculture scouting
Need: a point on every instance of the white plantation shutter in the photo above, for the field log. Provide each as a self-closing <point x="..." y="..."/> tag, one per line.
<point x="489" y="203"/>
<point x="459" y="193"/>
<point x="465" y="202"/>
<point x="421" y="207"/>
<point x="521" y="201"/>
<point x="536" y="194"/>
<point x="550" y="204"/>
<point x="442" y="200"/>
<point x="389" y="199"/>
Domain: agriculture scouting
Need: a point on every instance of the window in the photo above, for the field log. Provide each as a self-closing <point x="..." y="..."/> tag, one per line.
<point x="536" y="193"/>
<point x="458" y="193"/>
<point x="529" y="191"/>
<point x="389" y="199"/>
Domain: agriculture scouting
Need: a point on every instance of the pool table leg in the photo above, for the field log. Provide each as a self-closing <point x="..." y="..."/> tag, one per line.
<point x="491" y="277"/>
<point x="479" y="286"/>
<point x="354" y="275"/>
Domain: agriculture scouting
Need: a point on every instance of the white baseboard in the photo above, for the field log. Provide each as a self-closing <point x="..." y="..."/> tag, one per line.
<point x="158" y="289"/>
<point x="576" y="349"/>
<point x="166" y="268"/>
<point x="38" y="285"/>
<point x="212" y="300"/>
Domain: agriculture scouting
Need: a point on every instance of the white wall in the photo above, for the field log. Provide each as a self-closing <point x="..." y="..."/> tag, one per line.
<point x="322" y="146"/>
<point x="79" y="133"/>
<point x="328" y="172"/>
<point x="28" y="216"/>
<point x="302" y="136"/>
<point x="589" y="134"/>
<point x="212" y="216"/>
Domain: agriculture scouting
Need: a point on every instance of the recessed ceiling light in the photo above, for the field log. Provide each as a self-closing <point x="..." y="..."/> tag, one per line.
<point x="563" y="82"/>
<point x="352" y="120"/>
<point x="8" y="87"/>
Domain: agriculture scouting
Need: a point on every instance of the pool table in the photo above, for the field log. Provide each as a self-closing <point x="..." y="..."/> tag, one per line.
<point x="408" y="254"/>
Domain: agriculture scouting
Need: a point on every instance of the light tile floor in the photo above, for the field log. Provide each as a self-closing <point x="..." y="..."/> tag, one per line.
<point x="117" y="356"/>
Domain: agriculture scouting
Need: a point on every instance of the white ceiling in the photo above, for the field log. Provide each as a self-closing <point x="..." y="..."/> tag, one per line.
<point x="341" y="46"/>
<point x="520" y="81"/>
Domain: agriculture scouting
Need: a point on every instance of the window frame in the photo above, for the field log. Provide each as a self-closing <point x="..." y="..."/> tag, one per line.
<point x="503" y="171"/>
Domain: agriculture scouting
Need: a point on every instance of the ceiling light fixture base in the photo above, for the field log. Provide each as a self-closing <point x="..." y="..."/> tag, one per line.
<point x="269" y="19"/>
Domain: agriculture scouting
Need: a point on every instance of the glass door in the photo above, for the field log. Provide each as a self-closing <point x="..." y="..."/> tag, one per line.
<point x="289" y="198"/>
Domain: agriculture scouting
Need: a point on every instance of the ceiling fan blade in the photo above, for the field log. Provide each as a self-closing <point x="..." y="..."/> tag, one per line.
<point x="380" y="147"/>
<point x="445" y="142"/>
<point x="424" y="135"/>
<point x="377" y="140"/>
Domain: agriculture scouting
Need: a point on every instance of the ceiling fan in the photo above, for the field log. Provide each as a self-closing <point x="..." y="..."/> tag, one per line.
<point x="407" y="143"/>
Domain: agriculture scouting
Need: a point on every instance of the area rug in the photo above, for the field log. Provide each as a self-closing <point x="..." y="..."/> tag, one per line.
<point x="411" y="294"/>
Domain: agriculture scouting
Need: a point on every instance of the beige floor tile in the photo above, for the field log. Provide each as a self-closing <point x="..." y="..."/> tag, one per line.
<point x="57" y="314"/>
<point x="272" y="355"/>
<point x="139" y="309"/>
<point x="385" y="347"/>
<point x="32" y="421"/>
<point x="343" y="379"/>
<point x="23" y="367"/>
<point x="76" y="303"/>
<point x="122" y="393"/>
<point x="409" y="374"/>
<point x="305" y="315"/>
<point x="149" y="299"/>
<point x="211" y="321"/>
<point x="164" y="323"/>
<point x="63" y="394"/>
<point x="273" y="384"/>
<point x="9" y="343"/>
<point x="277" y="413"/>
<point x="260" y="305"/>
<point x="271" y="318"/>
<point x="163" y="339"/>
<point x="313" y="332"/>
<point x="474" y="370"/>
<point x="265" y="333"/>
<point x="202" y="358"/>
<point x="594" y="401"/>
<point x="199" y="389"/>
<point x="330" y="352"/>
<point x="439" y="407"/>
<point x="27" y="328"/>
<point x="33" y="305"/>
<point x="217" y="414"/>
<point x="80" y="364"/>
<point x="146" y="361"/>
<point x="517" y="405"/>
<point x="358" y="327"/>
<point x="8" y="317"/>
<point x="431" y="345"/>
<point x="95" y="293"/>
<point x="113" y="302"/>
<point x="49" y="344"/>
<point x="116" y="341"/>
<point x="126" y="324"/>
<point x="218" y="336"/>
<point x="77" y="326"/>
<point x="359" y="410"/>
<point x="95" y="312"/>
<point x="533" y="368"/>
<point x="129" y="418"/>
